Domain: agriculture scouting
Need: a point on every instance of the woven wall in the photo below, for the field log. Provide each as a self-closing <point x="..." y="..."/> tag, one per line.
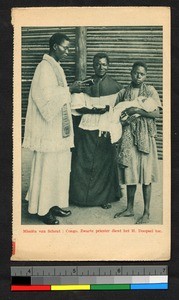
<point x="124" y="45"/>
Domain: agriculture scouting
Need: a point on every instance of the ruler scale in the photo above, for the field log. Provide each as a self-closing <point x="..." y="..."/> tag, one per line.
<point x="56" y="278"/>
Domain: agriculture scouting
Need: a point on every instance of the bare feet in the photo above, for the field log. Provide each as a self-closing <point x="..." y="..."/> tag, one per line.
<point x="125" y="213"/>
<point x="143" y="220"/>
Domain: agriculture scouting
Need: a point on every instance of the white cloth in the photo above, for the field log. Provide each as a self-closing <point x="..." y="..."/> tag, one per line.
<point x="49" y="183"/>
<point x="91" y="121"/>
<point x="48" y="94"/>
<point x="50" y="173"/>
<point x="147" y="104"/>
<point x="83" y="100"/>
<point x="109" y="121"/>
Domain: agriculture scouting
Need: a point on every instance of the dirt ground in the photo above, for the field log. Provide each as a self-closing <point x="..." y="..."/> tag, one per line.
<point x="96" y="215"/>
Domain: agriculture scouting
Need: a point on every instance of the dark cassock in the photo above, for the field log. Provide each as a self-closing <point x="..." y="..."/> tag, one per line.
<point x="94" y="176"/>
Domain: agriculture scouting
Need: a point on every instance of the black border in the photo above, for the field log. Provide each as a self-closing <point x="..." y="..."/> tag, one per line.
<point x="6" y="81"/>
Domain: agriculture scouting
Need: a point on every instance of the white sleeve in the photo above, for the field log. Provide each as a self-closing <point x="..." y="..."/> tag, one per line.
<point x="46" y="93"/>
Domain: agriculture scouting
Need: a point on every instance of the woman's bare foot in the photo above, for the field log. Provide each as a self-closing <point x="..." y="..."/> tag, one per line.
<point x="143" y="220"/>
<point x="125" y="213"/>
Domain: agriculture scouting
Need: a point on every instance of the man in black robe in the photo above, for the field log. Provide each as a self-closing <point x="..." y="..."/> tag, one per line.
<point x="94" y="178"/>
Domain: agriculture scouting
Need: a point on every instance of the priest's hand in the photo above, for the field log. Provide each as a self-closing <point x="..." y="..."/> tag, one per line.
<point x="76" y="87"/>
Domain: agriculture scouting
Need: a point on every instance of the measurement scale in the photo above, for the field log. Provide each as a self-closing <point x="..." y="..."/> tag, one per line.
<point x="56" y="278"/>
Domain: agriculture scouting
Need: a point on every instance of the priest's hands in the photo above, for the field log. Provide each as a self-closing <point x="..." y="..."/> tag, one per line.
<point x="76" y="87"/>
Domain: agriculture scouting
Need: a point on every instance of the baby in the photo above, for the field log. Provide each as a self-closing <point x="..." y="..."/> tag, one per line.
<point x="110" y="121"/>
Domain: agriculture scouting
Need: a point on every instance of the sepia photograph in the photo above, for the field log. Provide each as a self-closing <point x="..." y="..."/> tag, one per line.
<point x="91" y="121"/>
<point x="86" y="175"/>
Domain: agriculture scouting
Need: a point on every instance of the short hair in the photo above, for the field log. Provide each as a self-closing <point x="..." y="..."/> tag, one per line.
<point x="57" y="38"/>
<point x="100" y="55"/>
<point x="139" y="64"/>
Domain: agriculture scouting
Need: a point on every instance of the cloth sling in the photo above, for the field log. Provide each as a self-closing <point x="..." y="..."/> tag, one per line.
<point x="138" y="132"/>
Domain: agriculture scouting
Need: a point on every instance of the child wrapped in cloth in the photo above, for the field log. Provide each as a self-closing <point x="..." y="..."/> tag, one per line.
<point x="111" y="120"/>
<point x="138" y="129"/>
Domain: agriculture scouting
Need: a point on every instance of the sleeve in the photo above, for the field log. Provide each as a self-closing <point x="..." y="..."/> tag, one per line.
<point x="120" y="97"/>
<point x="77" y="101"/>
<point x="155" y="96"/>
<point x="120" y="87"/>
<point x="46" y="93"/>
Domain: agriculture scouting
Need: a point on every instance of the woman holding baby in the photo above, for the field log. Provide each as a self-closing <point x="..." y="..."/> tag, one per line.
<point x="137" y="151"/>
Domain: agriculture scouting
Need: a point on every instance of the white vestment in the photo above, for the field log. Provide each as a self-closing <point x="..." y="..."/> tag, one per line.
<point x="109" y="121"/>
<point x="44" y="134"/>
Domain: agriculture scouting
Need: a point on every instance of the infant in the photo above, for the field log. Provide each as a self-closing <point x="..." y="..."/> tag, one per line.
<point x="147" y="104"/>
<point x="110" y="121"/>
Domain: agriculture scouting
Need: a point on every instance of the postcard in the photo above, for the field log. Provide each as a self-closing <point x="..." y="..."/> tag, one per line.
<point x="91" y="134"/>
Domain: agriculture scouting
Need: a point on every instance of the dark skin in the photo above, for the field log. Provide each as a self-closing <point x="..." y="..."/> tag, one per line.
<point x="138" y="76"/>
<point x="100" y="66"/>
<point x="93" y="111"/>
<point x="134" y="110"/>
<point x="60" y="52"/>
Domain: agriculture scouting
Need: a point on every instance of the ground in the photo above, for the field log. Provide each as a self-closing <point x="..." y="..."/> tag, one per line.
<point x="96" y="215"/>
